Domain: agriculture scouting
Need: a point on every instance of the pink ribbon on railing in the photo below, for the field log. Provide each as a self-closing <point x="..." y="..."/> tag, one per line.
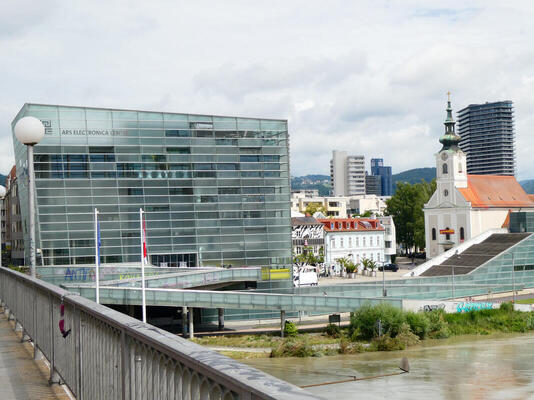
<point x="62" y="320"/>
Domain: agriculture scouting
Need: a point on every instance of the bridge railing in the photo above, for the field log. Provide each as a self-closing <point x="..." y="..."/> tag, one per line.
<point x="109" y="355"/>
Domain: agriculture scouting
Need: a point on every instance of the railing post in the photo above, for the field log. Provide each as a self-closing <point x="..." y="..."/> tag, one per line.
<point x="184" y="321"/>
<point x="124" y="363"/>
<point x="221" y="318"/>
<point x="54" y="376"/>
<point x="191" y="320"/>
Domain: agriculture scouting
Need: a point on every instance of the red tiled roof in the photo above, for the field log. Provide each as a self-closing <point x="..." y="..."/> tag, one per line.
<point x="499" y="191"/>
<point x="351" y="224"/>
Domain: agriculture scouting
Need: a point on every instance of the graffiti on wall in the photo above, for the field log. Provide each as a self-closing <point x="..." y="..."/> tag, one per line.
<point x="307" y="232"/>
<point x="467" y="306"/>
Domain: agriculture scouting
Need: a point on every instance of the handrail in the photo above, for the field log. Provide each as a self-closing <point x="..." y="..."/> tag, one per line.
<point x="109" y="355"/>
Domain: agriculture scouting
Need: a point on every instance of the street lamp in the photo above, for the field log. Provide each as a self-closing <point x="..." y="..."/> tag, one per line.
<point x="2" y="195"/>
<point x="30" y="131"/>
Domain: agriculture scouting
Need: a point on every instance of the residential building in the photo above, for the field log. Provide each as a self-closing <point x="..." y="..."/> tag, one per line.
<point x="373" y="185"/>
<point x="307" y="233"/>
<point x="488" y="138"/>
<point x="390" y="240"/>
<point x="215" y="189"/>
<point x="347" y="174"/>
<point x="385" y="174"/>
<point x="353" y="238"/>
<point x="13" y="237"/>
<point x="466" y="205"/>
<point x="305" y="193"/>
<point x="359" y="205"/>
<point x="334" y="206"/>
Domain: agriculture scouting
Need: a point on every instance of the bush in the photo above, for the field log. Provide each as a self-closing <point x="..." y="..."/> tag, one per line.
<point x="290" y="329"/>
<point x="438" y="328"/>
<point x="294" y="348"/>
<point x="365" y="320"/>
<point x="332" y="330"/>
<point x="418" y="323"/>
<point x="347" y="347"/>
<point x="507" y="306"/>
<point x="387" y="343"/>
<point x="406" y="336"/>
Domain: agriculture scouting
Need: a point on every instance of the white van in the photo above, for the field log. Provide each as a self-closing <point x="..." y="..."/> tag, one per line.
<point x="307" y="276"/>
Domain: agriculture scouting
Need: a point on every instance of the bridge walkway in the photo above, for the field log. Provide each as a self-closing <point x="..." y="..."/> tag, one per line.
<point x="20" y="376"/>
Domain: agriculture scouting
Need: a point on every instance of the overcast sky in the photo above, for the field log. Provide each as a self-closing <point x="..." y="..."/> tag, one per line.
<point x="369" y="77"/>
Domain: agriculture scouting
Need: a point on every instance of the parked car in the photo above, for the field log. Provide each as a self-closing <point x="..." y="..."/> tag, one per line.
<point x="389" y="267"/>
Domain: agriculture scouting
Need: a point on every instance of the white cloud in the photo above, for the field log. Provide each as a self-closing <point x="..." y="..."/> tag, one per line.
<point x="369" y="77"/>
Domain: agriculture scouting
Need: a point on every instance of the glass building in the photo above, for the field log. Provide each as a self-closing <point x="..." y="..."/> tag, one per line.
<point x="215" y="189"/>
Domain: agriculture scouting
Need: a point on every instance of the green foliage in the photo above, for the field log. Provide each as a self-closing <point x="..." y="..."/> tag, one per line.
<point x="387" y="343"/>
<point x="333" y="330"/>
<point x="22" y="269"/>
<point x="367" y="214"/>
<point x="312" y="208"/>
<point x="307" y="256"/>
<point x="292" y="347"/>
<point x="290" y="329"/>
<point x="365" y="320"/>
<point x="348" y="347"/>
<point x="507" y="306"/>
<point x="406" y="207"/>
<point x="407" y="337"/>
<point x="368" y="264"/>
<point x="438" y="326"/>
<point x="418" y="323"/>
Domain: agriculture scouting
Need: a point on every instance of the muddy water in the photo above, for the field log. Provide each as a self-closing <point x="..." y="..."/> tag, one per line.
<point x="500" y="367"/>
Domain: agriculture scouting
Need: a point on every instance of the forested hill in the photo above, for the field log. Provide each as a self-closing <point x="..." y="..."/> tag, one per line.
<point x="414" y="176"/>
<point x="528" y="185"/>
<point x="319" y="182"/>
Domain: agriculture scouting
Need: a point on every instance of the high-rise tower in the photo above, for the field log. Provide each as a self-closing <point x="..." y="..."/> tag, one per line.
<point x="487" y="132"/>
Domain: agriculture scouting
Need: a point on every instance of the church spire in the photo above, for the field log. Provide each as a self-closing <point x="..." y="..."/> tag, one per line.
<point x="449" y="139"/>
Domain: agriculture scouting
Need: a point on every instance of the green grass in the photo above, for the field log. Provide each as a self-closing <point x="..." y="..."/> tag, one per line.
<point x="257" y="341"/>
<point x="525" y="301"/>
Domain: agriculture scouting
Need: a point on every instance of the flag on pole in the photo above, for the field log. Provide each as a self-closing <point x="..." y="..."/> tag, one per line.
<point x="145" y="253"/>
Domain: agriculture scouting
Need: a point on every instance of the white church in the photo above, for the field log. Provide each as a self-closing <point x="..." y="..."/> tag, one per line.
<point x="464" y="206"/>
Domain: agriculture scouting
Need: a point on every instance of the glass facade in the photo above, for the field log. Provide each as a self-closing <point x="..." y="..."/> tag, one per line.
<point x="215" y="189"/>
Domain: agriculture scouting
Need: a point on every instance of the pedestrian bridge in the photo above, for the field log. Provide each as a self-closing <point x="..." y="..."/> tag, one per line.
<point x="109" y="355"/>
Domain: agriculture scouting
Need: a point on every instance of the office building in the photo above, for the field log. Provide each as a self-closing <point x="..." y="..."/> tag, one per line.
<point x="386" y="179"/>
<point x="487" y="133"/>
<point x="215" y="189"/>
<point x="373" y="185"/>
<point x="12" y="238"/>
<point x="347" y="174"/>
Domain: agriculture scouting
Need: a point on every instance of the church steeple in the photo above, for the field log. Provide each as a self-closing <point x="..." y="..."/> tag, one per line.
<point x="449" y="139"/>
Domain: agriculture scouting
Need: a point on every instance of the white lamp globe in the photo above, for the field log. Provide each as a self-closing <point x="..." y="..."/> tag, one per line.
<point x="2" y="192"/>
<point x="29" y="130"/>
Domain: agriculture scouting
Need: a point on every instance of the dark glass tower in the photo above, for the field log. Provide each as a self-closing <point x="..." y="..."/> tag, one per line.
<point x="386" y="180"/>
<point x="487" y="132"/>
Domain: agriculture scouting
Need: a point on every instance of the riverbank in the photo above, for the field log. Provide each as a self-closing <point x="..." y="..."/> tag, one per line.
<point x="396" y="330"/>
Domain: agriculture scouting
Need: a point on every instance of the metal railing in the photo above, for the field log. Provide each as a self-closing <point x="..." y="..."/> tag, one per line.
<point x="109" y="355"/>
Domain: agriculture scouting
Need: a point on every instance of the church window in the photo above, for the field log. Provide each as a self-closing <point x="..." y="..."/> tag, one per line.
<point x="459" y="167"/>
<point x="462" y="234"/>
<point x="447" y="235"/>
<point x="433" y="233"/>
<point x="444" y="169"/>
<point x="445" y="193"/>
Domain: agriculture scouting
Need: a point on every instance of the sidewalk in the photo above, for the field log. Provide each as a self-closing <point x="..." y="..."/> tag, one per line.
<point x="22" y="378"/>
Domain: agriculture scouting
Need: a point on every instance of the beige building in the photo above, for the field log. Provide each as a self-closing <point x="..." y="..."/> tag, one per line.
<point x="334" y="206"/>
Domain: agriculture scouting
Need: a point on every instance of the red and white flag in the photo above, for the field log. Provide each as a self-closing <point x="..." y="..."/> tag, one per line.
<point x="143" y="236"/>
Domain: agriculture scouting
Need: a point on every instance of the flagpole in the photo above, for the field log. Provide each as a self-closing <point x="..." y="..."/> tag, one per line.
<point x="143" y="246"/>
<point x="97" y="259"/>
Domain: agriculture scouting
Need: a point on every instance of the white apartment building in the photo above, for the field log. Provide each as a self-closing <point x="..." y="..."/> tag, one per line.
<point x="334" y="206"/>
<point x="347" y="174"/>
<point x="354" y="238"/>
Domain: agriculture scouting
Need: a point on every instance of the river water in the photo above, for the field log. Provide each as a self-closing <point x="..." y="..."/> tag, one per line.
<point x="500" y="367"/>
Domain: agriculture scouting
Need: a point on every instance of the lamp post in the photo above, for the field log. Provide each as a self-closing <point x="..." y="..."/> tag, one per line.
<point x="384" y="293"/>
<point x="30" y="131"/>
<point x="2" y="195"/>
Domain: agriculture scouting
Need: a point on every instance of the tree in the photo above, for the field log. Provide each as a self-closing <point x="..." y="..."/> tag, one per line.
<point x="312" y="208"/>
<point x="406" y="208"/>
